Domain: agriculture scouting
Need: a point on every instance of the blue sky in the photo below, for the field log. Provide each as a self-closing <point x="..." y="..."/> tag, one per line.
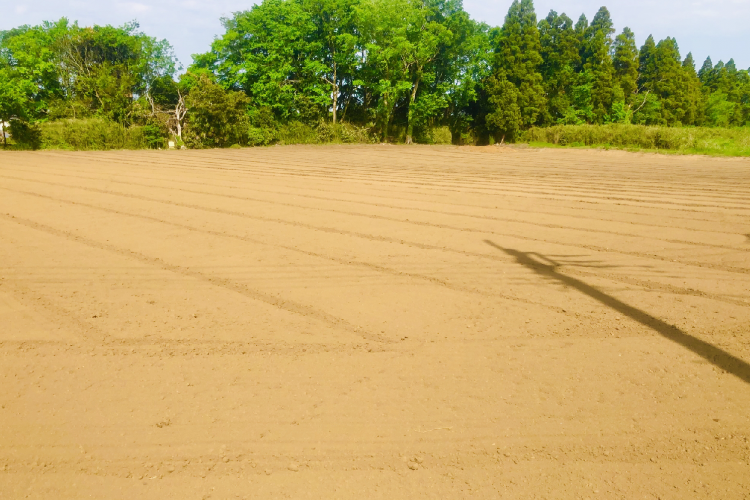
<point x="719" y="28"/>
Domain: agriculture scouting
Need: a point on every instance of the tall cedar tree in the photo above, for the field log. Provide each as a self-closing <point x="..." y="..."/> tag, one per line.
<point x="625" y="61"/>
<point x="598" y="63"/>
<point x="560" y="58"/>
<point x="517" y="60"/>
<point x="694" y="113"/>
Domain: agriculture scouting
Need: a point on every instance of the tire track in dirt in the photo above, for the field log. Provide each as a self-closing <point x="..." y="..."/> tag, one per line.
<point x="71" y="321"/>
<point x="286" y="305"/>
<point x="245" y="456"/>
<point x="596" y="248"/>
<point x="644" y="284"/>
<point x="157" y="347"/>
<point x="345" y="262"/>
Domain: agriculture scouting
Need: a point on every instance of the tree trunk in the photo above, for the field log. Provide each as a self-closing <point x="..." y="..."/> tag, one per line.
<point x="385" y="127"/>
<point x="386" y="122"/>
<point x="335" y="91"/>
<point x="346" y="107"/>
<point x="179" y="114"/>
<point x="410" y="125"/>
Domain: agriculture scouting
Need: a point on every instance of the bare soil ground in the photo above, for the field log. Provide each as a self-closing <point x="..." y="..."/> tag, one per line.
<point x="374" y="322"/>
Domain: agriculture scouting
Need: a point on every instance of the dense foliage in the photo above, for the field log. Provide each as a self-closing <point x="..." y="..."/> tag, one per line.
<point x="690" y="140"/>
<point x="394" y="70"/>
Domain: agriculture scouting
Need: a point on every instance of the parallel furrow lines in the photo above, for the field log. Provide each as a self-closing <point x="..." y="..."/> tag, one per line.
<point x="646" y="284"/>
<point x="235" y="185"/>
<point x="406" y="221"/>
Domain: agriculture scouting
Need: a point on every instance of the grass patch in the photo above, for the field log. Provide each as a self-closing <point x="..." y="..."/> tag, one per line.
<point x="681" y="140"/>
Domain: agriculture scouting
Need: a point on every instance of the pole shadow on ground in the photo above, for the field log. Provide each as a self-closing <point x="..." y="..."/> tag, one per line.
<point x="547" y="268"/>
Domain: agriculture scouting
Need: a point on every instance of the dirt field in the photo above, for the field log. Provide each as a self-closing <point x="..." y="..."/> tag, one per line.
<point x="374" y="322"/>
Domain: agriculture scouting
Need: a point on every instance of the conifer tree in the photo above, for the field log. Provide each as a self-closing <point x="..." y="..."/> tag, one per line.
<point x="662" y="74"/>
<point x="647" y="62"/>
<point x="625" y="61"/>
<point x="646" y="104"/>
<point x="561" y="57"/>
<point x="600" y="66"/>
<point x="517" y="54"/>
<point x="705" y="72"/>
<point x="597" y="62"/>
<point x="695" y="105"/>
<point x="505" y="118"/>
<point x="671" y="85"/>
<point x="581" y="26"/>
<point x="602" y="22"/>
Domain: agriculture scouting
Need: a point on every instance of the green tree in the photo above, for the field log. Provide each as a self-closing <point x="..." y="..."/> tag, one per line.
<point x="560" y="52"/>
<point x="216" y="117"/>
<point x="518" y="60"/>
<point x="103" y="68"/>
<point x="647" y="62"/>
<point x="719" y="110"/>
<point x="459" y="70"/>
<point x="505" y="118"/>
<point x="268" y="52"/>
<point x="383" y="24"/>
<point x="14" y="98"/>
<point x="694" y="111"/>
<point x="706" y="71"/>
<point x="647" y="106"/>
<point x="625" y="61"/>
<point x="597" y="61"/>
<point x="335" y="50"/>
<point x="744" y="97"/>
<point x="28" y="54"/>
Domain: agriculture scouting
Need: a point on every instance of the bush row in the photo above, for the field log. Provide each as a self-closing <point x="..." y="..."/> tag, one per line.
<point x="731" y="141"/>
<point x="99" y="134"/>
<point x="92" y="134"/>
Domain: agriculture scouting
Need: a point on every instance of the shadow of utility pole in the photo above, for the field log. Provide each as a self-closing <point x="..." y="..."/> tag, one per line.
<point x="712" y="354"/>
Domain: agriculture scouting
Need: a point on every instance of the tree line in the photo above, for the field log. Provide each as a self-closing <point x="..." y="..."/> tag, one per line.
<point x="399" y="68"/>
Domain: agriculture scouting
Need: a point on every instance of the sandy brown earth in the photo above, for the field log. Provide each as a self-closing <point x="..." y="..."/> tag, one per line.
<point x="374" y="322"/>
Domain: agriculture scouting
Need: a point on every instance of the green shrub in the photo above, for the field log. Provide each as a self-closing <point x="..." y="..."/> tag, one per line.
<point x="343" y="133"/>
<point x="91" y="134"/>
<point x="156" y="134"/>
<point x="721" y="141"/>
<point x="260" y="136"/>
<point x="297" y="133"/>
<point x="435" y="135"/>
<point x="25" y="135"/>
<point x="323" y="133"/>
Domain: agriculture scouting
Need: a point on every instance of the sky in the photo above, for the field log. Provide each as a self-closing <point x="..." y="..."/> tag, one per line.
<point x="716" y="28"/>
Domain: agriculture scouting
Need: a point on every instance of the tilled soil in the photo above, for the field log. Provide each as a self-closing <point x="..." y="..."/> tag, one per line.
<point x="374" y="322"/>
